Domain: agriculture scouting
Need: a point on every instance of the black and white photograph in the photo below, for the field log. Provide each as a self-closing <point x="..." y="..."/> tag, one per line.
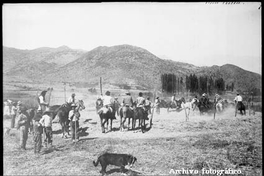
<point x="132" y="88"/>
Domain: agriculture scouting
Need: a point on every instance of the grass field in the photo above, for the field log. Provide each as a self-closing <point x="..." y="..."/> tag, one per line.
<point x="170" y="146"/>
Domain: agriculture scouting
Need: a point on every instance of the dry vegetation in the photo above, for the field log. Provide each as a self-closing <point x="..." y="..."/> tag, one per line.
<point x="171" y="143"/>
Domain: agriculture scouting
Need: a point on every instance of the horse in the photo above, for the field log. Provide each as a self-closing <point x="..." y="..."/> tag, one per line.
<point x="98" y="104"/>
<point x="174" y="105"/>
<point x="105" y="116"/>
<point x="240" y="107"/>
<point x="209" y="107"/>
<point x="63" y="112"/>
<point x="126" y="113"/>
<point x="141" y="115"/>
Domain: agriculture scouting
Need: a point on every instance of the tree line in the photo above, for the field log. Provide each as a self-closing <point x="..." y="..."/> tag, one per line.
<point x="194" y="84"/>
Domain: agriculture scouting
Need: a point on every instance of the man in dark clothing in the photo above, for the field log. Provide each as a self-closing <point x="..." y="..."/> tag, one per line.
<point x="38" y="130"/>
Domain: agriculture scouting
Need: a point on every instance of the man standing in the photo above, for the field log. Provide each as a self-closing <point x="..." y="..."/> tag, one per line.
<point x="38" y="130"/>
<point x="46" y="122"/>
<point x="13" y="114"/>
<point x="23" y="125"/>
<point x="74" y="117"/>
<point x="157" y="105"/>
<point x="148" y="105"/>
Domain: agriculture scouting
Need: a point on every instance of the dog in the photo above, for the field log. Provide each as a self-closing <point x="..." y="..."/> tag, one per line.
<point x="115" y="159"/>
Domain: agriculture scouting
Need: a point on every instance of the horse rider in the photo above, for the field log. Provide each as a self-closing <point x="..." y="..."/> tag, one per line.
<point x="116" y="105"/>
<point x="173" y="99"/>
<point x="204" y="100"/>
<point x="108" y="102"/>
<point x="128" y="101"/>
<point x="42" y="102"/>
<point x="71" y="99"/>
<point x="238" y="99"/>
<point x="148" y="105"/>
<point x="140" y="101"/>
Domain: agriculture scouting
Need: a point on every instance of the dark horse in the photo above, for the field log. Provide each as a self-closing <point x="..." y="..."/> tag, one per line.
<point x="240" y="107"/>
<point x="175" y="105"/>
<point x="62" y="111"/>
<point x="126" y="113"/>
<point x="105" y="115"/>
<point x="141" y="115"/>
<point x="208" y="107"/>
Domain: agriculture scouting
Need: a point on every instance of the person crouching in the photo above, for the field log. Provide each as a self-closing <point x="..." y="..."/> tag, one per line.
<point x="46" y="122"/>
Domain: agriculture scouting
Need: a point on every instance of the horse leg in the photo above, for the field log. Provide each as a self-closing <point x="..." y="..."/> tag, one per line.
<point x="120" y="123"/>
<point x="102" y="125"/>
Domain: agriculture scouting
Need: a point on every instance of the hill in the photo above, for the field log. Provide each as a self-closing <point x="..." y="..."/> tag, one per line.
<point x="117" y="65"/>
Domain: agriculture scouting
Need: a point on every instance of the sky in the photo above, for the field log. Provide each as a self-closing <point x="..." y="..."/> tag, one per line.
<point x="202" y="34"/>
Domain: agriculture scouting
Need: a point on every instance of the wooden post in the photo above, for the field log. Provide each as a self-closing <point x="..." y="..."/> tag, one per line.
<point x="100" y="84"/>
<point x="152" y="113"/>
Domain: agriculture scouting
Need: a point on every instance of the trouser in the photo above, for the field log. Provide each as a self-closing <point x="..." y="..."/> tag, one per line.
<point x="13" y="119"/>
<point x="73" y="135"/>
<point x="23" y="136"/>
<point x="48" y="135"/>
<point x="37" y="142"/>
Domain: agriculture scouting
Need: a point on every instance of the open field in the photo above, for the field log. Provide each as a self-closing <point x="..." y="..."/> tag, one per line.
<point x="171" y="144"/>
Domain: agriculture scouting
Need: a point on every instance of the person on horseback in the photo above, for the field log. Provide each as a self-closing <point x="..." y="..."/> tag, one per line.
<point x="71" y="99"/>
<point x="204" y="100"/>
<point x="108" y="102"/>
<point x="140" y="101"/>
<point x="173" y="99"/>
<point x="238" y="99"/>
<point x="42" y="102"/>
<point x="128" y="101"/>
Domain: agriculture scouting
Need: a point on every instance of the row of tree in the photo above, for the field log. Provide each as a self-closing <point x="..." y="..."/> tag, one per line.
<point x="194" y="84"/>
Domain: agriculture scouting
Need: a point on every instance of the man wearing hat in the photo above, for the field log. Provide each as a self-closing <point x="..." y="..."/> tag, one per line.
<point x="74" y="117"/>
<point x="128" y="101"/>
<point x="38" y="130"/>
<point x="204" y="100"/>
<point x="23" y="125"/>
<point x="71" y="100"/>
<point x="46" y="122"/>
<point x="42" y="102"/>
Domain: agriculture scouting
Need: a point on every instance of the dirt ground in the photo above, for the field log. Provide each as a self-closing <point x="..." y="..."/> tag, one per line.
<point x="228" y="142"/>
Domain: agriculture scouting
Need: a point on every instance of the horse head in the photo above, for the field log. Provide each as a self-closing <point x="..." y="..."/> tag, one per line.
<point x="80" y="104"/>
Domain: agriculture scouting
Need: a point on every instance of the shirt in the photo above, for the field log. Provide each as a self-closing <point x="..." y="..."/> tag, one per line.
<point x="46" y="121"/>
<point x="238" y="98"/>
<point x="107" y="100"/>
<point x="140" y="101"/>
<point x="74" y="115"/>
<point x="71" y="100"/>
<point x="127" y="100"/>
<point x="23" y="120"/>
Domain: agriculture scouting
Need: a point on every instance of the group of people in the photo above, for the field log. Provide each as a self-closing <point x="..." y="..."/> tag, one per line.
<point x="113" y="105"/>
<point x="42" y="121"/>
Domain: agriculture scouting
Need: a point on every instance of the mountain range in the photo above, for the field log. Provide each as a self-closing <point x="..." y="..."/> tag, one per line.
<point x="117" y="65"/>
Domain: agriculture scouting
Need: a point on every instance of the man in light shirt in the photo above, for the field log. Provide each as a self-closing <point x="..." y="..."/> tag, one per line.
<point x="46" y="122"/>
<point x="42" y="102"/>
<point x="71" y="100"/>
<point x="238" y="98"/>
<point x="108" y="103"/>
<point x="74" y="117"/>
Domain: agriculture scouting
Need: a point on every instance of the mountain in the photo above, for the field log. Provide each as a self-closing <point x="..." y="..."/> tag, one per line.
<point x="117" y="65"/>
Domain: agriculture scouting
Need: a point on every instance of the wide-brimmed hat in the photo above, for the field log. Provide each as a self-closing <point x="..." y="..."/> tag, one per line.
<point x="73" y="94"/>
<point x="73" y="105"/>
<point x="203" y="94"/>
<point x="107" y="93"/>
<point x="127" y="93"/>
<point x="140" y="93"/>
<point x="19" y="103"/>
